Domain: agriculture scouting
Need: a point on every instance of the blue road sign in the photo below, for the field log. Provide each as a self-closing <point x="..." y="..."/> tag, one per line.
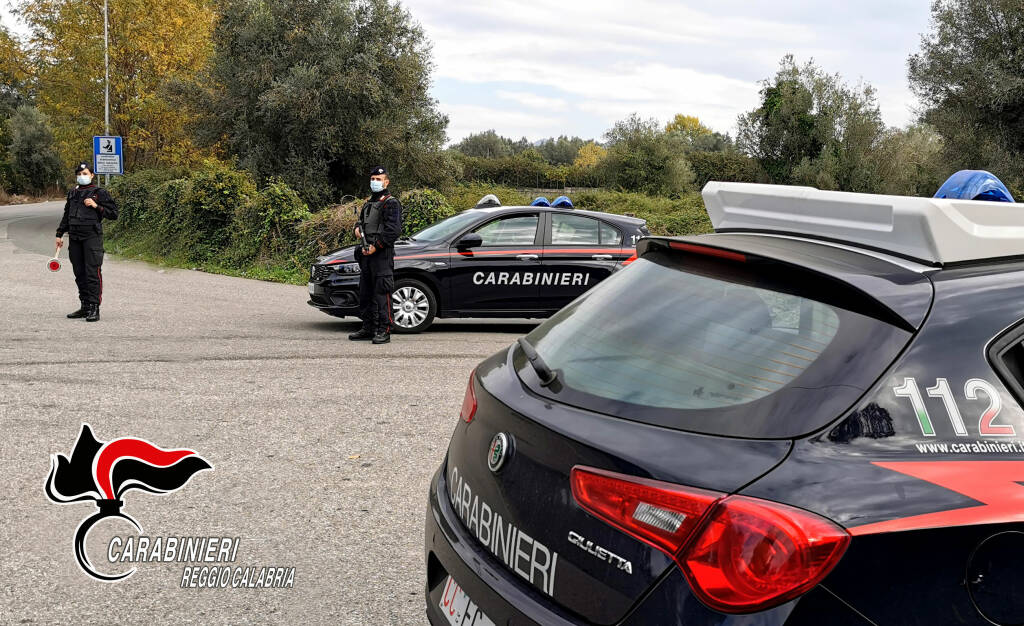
<point x="107" y="157"/>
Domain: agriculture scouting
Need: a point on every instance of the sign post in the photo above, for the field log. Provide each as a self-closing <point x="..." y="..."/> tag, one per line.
<point x="106" y="83"/>
<point x="107" y="155"/>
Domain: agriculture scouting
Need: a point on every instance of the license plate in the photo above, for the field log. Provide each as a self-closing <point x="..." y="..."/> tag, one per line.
<point x="312" y="288"/>
<point x="459" y="609"/>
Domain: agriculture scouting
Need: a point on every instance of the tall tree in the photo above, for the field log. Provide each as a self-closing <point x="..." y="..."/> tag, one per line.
<point x="490" y="145"/>
<point x="14" y="88"/>
<point x="696" y="136"/>
<point x="32" y="153"/>
<point x="152" y="44"/>
<point x="14" y="92"/>
<point x="910" y="161"/>
<point x="560" y="150"/>
<point x="643" y="157"/>
<point x="589" y="155"/>
<point x="318" y="92"/>
<point x="812" y="128"/>
<point x="968" y="76"/>
<point x="689" y="125"/>
<point x="487" y="144"/>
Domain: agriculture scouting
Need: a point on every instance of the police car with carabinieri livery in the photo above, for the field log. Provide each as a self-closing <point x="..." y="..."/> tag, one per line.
<point x="812" y="416"/>
<point x="489" y="261"/>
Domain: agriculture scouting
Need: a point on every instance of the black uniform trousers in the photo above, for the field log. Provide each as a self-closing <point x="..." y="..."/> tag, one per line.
<point x="376" y="282"/>
<point x="86" y="253"/>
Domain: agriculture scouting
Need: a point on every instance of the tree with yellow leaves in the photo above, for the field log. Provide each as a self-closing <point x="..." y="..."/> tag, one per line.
<point x="153" y="45"/>
<point x="589" y="156"/>
<point x="688" y="125"/>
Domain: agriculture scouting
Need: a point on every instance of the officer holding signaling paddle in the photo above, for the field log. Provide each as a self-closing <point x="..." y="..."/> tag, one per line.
<point x="86" y="207"/>
<point x="378" y="227"/>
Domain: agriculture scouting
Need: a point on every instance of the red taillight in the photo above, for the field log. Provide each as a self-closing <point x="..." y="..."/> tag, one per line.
<point x="469" y="400"/>
<point x="739" y="554"/>
<point x="753" y="554"/>
<point x="661" y="514"/>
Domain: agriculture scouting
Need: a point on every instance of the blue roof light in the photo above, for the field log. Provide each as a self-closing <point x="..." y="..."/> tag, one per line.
<point x="541" y="201"/>
<point x="974" y="185"/>
<point x="563" y="202"/>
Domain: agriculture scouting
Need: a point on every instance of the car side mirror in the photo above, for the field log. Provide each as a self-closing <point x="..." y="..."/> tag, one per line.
<point x="469" y="240"/>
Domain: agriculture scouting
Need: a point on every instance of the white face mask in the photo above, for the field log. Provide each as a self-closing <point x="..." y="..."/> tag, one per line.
<point x="376" y="185"/>
<point x="84" y="179"/>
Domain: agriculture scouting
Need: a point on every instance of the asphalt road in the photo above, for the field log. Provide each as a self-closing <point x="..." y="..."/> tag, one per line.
<point x="322" y="448"/>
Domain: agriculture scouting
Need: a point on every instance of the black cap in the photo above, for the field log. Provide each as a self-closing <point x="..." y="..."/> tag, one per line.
<point x="82" y="166"/>
<point x="377" y="171"/>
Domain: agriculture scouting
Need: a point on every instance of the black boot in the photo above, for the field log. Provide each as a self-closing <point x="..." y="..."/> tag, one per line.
<point x="382" y="336"/>
<point x="94" y="313"/>
<point x="81" y="312"/>
<point x="361" y="335"/>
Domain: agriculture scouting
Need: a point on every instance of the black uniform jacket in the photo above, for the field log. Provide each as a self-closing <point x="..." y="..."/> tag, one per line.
<point x="81" y="219"/>
<point x="390" y="220"/>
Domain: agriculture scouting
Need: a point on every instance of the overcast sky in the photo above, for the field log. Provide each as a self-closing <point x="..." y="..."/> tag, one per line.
<point x="538" y="68"/>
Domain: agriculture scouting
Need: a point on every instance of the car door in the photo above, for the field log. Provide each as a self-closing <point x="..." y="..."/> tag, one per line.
<point x="501" y="273"/>
<point x="579" y="252"/>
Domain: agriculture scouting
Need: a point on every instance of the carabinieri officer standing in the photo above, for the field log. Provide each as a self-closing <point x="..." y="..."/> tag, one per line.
<point x="378" y="227"/>
<point x="84" y="211"/>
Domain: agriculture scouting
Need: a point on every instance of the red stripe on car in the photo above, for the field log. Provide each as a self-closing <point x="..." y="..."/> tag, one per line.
<point x="995" y="484"/>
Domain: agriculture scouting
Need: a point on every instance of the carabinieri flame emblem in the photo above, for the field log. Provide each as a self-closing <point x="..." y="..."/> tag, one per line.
<point x="103" y="472"/>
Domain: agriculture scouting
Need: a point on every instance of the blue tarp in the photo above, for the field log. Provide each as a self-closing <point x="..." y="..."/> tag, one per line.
<point x="974" y="185"/>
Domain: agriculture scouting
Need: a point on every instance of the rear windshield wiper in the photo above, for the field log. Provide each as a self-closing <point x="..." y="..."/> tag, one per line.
<point x="546" y="375"/>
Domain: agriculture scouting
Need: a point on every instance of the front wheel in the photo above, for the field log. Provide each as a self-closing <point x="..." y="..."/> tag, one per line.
<point x="413" y="306"/>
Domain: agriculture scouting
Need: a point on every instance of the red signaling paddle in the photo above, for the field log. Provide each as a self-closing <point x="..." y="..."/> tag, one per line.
<point x="53" y="264"/>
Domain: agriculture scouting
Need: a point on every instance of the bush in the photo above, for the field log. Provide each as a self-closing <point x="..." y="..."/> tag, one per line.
<point x="207" y="208"/>
<point x="725" y="166"/>
<point x="423" y="207"/>
<point x="6" y="176"/>
<point x="268" y="225"/>
<point x="165" y="217"/>
<point x="684" y="215"/>
<point x="525" y="169"/>
<point x="327" y="230"/>
<point x="136" y="196"/>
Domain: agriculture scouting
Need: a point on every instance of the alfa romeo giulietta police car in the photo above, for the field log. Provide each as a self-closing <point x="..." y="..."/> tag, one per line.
<point x="495" y="261"/>
<point x="812" y="416"/>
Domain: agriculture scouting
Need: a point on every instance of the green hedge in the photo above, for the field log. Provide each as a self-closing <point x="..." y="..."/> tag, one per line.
<point x="725" y="166"/>
<point x="214" y="217"/>
<point x="423" y="207"/>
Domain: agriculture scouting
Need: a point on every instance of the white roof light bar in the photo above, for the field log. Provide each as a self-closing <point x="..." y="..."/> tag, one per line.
<point x="936" y="231"/>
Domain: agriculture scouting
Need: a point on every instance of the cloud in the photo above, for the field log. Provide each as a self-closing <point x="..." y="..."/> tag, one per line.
<point x="472" y="118"/>
<point x="533" y="101"/>
<point x="597" y="61"/>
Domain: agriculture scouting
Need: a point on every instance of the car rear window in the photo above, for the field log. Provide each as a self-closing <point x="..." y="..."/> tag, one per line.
<point x="610" y="236"/>
<point x="713" y="347"/>
<point x="574" y="230"/>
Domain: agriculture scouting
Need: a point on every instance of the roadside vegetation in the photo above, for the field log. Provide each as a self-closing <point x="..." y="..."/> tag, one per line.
<point x="253" y="164"/>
